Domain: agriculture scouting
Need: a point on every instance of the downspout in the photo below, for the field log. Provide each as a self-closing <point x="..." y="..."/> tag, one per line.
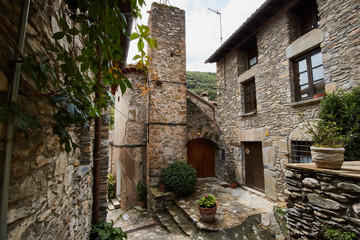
<point x="10" y="125"/>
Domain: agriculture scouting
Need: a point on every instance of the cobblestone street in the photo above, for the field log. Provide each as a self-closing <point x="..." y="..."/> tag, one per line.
<point x="242" y="214"/>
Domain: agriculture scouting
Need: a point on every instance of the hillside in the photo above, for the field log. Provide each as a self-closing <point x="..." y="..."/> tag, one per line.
<point x="200" y="82"/>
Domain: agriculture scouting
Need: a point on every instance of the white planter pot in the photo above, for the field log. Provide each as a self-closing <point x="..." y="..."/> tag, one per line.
<point x="330" y="158"/>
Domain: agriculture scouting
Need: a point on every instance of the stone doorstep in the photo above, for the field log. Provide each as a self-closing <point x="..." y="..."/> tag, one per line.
<point x="116" y="203"/>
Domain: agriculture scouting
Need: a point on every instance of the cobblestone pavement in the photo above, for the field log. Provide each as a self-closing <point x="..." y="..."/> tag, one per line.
<point x="235" y="206"/>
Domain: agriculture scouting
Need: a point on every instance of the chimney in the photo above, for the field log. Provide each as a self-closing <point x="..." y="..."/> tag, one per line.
<point x="204" y="95"/>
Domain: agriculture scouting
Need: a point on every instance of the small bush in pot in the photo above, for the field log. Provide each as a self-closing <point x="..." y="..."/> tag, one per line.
<point x="142" y="192"/>
<point x="233" y="183"/>
<point x="180" y="178"/>
<point x="207" y="207"/>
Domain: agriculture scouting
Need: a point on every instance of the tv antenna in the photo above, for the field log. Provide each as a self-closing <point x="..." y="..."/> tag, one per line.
<point x="218" y="13"/>
<point x="167" y="2"/>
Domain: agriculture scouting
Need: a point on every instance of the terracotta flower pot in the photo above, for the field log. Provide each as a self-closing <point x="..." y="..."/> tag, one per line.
<point x="208" y="214"/>
<point x="142" y="204"/>
<point x="330" y="158"/>
<point x="233" y="185"/>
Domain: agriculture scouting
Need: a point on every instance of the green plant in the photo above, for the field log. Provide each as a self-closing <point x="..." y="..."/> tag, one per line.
<point x="106" y="230"/>
<point x="77" y="80"/>
<point x="344" y="110"/>
<point x="338" y="234"/>
<point x="233" y="180"/>
<point x="180" y="178"/>
<point x="142" y="191"/>
<point x="111" y="186"/>
<point x="207" y="201"/>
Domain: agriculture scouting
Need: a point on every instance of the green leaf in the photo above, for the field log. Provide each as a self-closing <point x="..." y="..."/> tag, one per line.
<point x="64" y="24"/>
<point x="85" y="66"/>
<point x="81" y="58"/>
<point x="134" y="36"/>
<point x="71" y="110"/>
<point x="128" y="83"/>
<point x="140" y="45"/>
<point x="58" y="35"/>
<point x="74" y="31"/>
<point x="122" y="87"/>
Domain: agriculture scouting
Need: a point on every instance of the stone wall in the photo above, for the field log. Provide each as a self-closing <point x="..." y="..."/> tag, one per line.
<point x="275" y="122"/>
<point x="130" y="138"/>
<point x="50" y="194"/>
<point x="167" y="83"/>
<point x="318" y="198"/>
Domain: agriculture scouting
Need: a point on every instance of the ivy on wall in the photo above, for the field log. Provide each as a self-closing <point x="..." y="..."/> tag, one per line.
<point x="78" y="78"/>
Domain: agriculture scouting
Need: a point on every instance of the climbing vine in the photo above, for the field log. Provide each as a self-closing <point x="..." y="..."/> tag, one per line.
<point x="83" y="63"/>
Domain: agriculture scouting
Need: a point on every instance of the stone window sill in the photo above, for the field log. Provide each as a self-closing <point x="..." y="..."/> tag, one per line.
<point x="306" y="102"/>
<point x="248" y="114"/>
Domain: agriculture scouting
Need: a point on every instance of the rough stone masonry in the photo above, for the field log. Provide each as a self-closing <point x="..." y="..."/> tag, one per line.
<point x="167" y="81"/>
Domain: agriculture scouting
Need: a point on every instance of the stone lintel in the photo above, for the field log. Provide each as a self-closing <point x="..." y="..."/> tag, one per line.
<point x="307" y="42"/>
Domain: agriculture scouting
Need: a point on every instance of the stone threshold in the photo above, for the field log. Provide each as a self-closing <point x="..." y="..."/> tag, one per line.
<point x="350" y="169"/>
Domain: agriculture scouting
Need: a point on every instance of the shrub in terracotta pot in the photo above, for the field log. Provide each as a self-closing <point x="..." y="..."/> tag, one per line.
<point x="233" y="183"/>
<point x="328" y="148"/>
<point x="142" y="192"/>
<point x="207" y="208"/>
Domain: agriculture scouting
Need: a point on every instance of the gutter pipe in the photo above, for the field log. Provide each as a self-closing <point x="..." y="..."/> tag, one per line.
<point x="11" y="125"/>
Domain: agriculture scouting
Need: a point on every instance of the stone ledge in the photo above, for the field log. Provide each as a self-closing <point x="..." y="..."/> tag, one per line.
<point x="348" y="169"/>
<point x="248" y="114"/>
<point x="306" y="102"/>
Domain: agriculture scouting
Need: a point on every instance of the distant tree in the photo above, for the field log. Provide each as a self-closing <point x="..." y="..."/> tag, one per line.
<point x="200" y="82"/>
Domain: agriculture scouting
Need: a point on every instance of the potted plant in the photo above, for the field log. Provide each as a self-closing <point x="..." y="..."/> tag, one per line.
<point x="328" y="147"/>
<point x="207" y="208"/>
<point x="233" y="183"/>
<point x="142" y="192"/>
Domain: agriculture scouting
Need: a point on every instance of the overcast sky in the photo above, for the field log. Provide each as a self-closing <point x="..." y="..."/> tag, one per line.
<point x="203" y="27"/>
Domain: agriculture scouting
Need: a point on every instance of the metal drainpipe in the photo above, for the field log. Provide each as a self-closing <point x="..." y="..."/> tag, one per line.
<point x="10" y="125"/>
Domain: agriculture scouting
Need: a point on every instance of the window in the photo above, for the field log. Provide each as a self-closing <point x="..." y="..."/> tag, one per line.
<point x="300" y="151"/>
<point x="307" y="14"/>
<point x="309" y="76"/>
<point x="252" y="55"/>
<point x="249" y="96"/>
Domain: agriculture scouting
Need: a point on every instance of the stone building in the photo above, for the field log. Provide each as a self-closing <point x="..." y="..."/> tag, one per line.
<point x="167" y="124"/>
<point x="278" y="64"/>
<point x="51" y="191"/>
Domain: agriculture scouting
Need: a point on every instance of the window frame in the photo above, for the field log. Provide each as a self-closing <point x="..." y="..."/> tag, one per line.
<point x="300" y="149"/>
<point x="249" y="91"/>
<point x="309" y="69"/>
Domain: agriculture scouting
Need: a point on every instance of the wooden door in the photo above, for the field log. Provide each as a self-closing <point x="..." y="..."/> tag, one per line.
<point x="200" y="153"/>
<point x="254" y="167"/>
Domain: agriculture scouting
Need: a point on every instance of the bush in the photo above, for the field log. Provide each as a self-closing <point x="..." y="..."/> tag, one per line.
<point x="106" y="230"/>
<point x="338" y="234"/>
<point x="343" y="109"/>
<point x="179" y="178"/>
<point x="111" y="186"/>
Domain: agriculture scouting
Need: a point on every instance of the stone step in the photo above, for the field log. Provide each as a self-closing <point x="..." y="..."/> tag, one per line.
<point x="182" y="221"/>
<point x="116" y="203"/>
<point x="168" y="223"/>
<point x="110" y="207"/>
<point x="118" y="197"/>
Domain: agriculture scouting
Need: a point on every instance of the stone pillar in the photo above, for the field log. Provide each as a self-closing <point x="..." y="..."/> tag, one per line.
<point x="167" y="83"/>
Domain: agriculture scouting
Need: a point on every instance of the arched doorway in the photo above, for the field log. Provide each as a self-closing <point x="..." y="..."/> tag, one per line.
<point x="200" y="154"/>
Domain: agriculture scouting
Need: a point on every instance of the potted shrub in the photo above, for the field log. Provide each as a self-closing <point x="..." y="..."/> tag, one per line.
<point x="142" y="192"/>
<point x="233" y="183"/>
<point x="328" y="147"/>
<point x="207" y="208"/>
